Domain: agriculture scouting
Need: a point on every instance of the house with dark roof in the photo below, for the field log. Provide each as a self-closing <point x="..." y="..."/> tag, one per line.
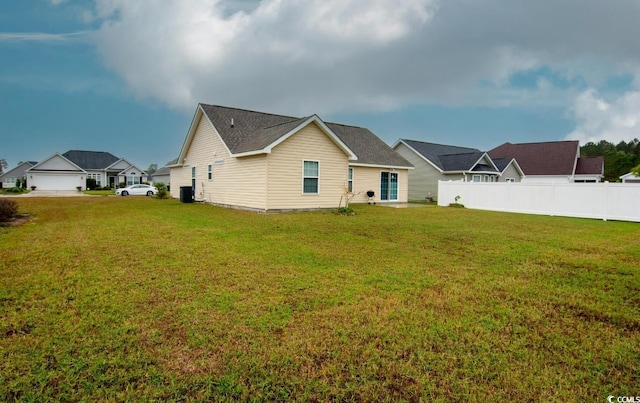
<point x="552" y="161"/>
<point x="260" y="161"/>
<point x="435" y="162"/>
<point x="71" y="170"/>
<point x="11" y="177"/>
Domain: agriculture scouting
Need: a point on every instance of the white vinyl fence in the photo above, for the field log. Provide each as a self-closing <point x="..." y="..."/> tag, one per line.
<point x="606" y="201"/>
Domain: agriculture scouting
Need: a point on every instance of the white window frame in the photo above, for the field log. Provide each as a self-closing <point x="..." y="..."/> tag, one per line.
<point x="97" y="177"/>
<point x="317" y="192"/>
<point x="350" y="173"/>
<point x="476" y="178"/>
<point x="510" y="180"/>
<point x="210" y="172"/>
<point x="133" y="180"/>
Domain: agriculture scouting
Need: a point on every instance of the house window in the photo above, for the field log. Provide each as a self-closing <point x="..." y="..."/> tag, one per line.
<point x="476" y="178"/>
<point x="193" y="172"/>
<point x="511" y="180"/>
<point x="210" y="171"/>
<point x="97" y="177"/>
<point x="486" y="178"/>
<point x="492" y="178"/>
<point x="310" y="177"/>
<point x="10" y="180"/>
<point x="133" y="180"/>
<point x="350" y="180"/>
<point x="388" y="186"/>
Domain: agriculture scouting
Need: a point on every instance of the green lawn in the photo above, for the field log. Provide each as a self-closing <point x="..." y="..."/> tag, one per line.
<point x="109" y="298"/>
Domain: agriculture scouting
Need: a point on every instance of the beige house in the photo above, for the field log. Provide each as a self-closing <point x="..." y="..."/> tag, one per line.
<point x="265" y="162"/>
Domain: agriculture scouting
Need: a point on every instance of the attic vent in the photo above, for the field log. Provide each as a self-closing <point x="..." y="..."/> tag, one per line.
<point x="231" y="122"/>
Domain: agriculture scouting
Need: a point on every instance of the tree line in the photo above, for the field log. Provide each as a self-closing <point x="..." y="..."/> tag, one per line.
<point x="619" y="159"/>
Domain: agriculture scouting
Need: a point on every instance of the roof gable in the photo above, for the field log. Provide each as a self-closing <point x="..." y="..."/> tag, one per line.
<point x="91" y="159"/>
<point x="447" y="158"/>
<point x="56" y="162"/>
<point x="19" y="170"/>
<point x="546" y="158"/>
<point x="503" y="163"/>
<point x="245" y="132"/>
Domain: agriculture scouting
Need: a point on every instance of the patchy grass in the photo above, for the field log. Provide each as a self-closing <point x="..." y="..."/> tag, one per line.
<point x="147" y="299"/>
<point x="107" y="192"/>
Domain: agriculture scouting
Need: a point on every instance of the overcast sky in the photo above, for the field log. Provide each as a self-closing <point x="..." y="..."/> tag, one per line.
<point x="126" y="76"/>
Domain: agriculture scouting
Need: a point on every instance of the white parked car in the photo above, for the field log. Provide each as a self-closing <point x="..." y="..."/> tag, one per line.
<point x="137" y="190"/>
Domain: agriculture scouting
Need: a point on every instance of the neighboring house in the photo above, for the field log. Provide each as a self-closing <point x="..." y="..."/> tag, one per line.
<point x="9" y="178"/>
<point x="265" y="162"/>
<point x="434" y="162"/>
<point x="162" y="175"/>
<point x="72" y="169"/>
<point x="630" y="178"/>
<point x="552" y="161"/>
<point x="509" y="168"/>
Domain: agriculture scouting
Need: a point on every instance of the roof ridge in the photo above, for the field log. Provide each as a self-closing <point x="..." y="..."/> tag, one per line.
<point x="438" y="144"/>
<point x="345" y="125"/>
<point x="546" y="142"/>
<point x="248" y="110"/>
<point x="286" y="123"/>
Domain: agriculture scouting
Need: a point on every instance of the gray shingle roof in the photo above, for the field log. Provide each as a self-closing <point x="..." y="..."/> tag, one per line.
<point x="501" y="163"/>
<point x="254" y="131"/>
<point x="448" y="158"/>
<point x="90" y="159"/>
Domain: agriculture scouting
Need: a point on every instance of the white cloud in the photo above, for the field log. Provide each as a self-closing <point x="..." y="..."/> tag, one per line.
<point x="598" y="119"/>
<point x="57" y="2"/>
<point x="322" y="56"/>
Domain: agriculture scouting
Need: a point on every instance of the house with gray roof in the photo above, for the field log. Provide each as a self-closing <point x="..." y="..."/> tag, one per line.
<point x="266" y="162"/>
<point x="71" y="170"/>
<point x="439" y="162"/>
<point x="11" y="177"/>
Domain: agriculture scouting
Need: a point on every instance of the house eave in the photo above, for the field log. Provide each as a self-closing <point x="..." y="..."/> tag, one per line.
<point x="356" y="164"/>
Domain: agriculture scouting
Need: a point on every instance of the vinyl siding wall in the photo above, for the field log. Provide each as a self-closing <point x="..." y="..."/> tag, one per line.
<point x="510" y="172"/>
<point x="423" y="179"/>
<point x="365" y="179"/>
<point x="285" y="166"/>
<point x="235" y="181"/>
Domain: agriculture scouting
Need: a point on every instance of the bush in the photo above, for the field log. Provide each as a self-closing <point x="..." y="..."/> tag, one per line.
<point x="8" y="209"/>
<point x="91" y="184"/>
<point x="163" y="193"/>
<point x="15" y="189"/>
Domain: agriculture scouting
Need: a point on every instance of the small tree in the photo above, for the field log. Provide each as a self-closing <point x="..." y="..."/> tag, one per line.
<point x="163" y="193"/>
<point x="636" y="170"/>
<point x="152" y="169"/>
<point x="347" y="196"/>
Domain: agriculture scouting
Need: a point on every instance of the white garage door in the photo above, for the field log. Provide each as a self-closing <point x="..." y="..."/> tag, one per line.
<point x="57" y="181"/>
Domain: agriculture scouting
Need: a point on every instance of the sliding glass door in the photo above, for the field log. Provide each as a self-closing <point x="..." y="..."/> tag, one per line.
<point x="388" y="186"/>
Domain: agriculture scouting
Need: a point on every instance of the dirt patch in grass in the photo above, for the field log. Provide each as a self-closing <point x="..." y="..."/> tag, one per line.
<point x="19" y="219"/>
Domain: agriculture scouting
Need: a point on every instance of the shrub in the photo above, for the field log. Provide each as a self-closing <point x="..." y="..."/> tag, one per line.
<point x="91" y="184"/>
<point x="163" y="192"/>
<point x="15" y="189"/>
<point x="8" y="209"/>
